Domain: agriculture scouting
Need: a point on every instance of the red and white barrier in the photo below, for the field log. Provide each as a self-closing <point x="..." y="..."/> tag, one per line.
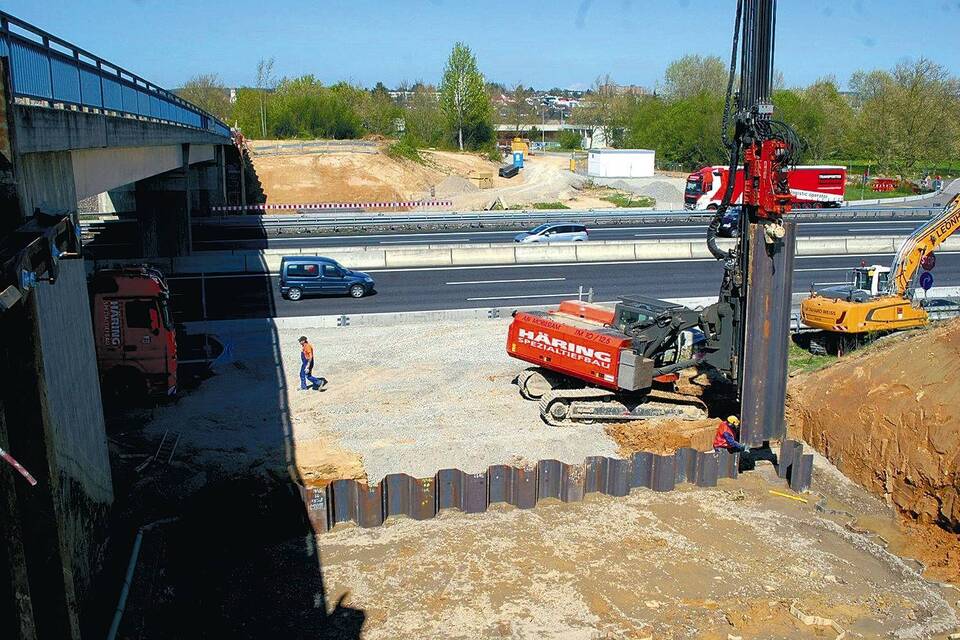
<point x="337" y="205"/>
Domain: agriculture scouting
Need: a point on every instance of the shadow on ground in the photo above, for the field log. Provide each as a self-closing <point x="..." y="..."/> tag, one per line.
<point x="232" y="554"/>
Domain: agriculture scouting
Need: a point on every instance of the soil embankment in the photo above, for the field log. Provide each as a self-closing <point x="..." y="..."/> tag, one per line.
<point x="889" y="418"/>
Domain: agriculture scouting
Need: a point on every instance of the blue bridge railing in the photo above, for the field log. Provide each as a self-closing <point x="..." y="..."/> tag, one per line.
<point x="48" y="69"/>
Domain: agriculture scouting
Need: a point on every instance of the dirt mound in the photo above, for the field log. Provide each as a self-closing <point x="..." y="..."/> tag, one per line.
<point x="454" y="186"/>
<point x="662" y="436"/>
<point x="890" y="419"/>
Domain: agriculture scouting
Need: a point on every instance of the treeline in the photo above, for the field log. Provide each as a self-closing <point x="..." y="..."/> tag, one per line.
<point x="903" y="121"/>
<point x="457" y="114"/>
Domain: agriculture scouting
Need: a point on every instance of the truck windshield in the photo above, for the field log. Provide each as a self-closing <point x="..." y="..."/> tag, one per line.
<point x="693" y="186"/>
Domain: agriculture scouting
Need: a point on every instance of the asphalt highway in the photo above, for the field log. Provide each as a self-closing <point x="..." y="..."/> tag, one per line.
<point x="680" y="231"/>
<point x="236" y="296"/>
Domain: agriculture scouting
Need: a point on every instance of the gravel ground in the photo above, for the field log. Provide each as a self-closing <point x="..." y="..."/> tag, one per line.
<point x="420" y="398"/>
<point x="666" y="190"/>
<point x="412" y="398"/>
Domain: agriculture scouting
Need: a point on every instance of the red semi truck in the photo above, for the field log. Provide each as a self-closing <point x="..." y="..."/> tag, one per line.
<point x="811" y="187"/>
<point x="140" y="353"/>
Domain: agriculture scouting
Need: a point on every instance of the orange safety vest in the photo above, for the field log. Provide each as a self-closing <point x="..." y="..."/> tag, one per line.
<point x="718" y="440"/>
<point x="308" y="351"/>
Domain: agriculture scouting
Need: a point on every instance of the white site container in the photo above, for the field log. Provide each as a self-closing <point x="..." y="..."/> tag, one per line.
<point x="620" y="163"/>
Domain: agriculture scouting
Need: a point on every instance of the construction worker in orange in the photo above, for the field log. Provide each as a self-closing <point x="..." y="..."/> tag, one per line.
<point x="726" y="437"/>
<point x="306" y="366"/>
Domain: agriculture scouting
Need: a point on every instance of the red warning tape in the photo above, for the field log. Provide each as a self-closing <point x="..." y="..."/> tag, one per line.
<point x="19" y="467"/>
<point x="338" y="205"/>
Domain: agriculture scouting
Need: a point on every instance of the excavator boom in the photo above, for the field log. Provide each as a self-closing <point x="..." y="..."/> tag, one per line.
<point x="922" y="242"/>
<point x="849" y="316"/>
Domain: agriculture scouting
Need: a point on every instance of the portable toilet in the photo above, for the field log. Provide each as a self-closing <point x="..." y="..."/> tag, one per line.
<point x="518" y="159"/>
<point x="520" y="144"/>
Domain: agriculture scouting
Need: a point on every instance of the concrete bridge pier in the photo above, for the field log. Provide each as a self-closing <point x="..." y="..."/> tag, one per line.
<point x="165" y="204"/>
<point x="51" y="419"/>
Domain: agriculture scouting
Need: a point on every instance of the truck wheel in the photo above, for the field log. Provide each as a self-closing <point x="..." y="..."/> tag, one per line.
<point x="357" y="291"/>
<point x="295" y="293"/>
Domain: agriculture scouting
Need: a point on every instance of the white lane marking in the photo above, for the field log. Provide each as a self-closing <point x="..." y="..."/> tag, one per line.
<point x="432" y="241"/>
<point x="894" y="221"/>
<point x="544" y="295"/>
<point x="502" y="281"/>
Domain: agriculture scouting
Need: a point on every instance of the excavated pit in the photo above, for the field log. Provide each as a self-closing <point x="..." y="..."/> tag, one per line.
<point x="889" y="418"/>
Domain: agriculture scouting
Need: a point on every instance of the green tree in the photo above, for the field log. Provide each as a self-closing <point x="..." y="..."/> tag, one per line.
<point x="265" y="83"/>
<point x="520" y="112"/>
<point x="822" y="118"/>
<point x="463" y="98"/>
<point x="207" y="92"/>
<point x="908" y="117"/>
<point x="423" y="122"/>
<point x="569" y="139"/>
<point x="379" y="112"/>
<point x="695" y="74"/>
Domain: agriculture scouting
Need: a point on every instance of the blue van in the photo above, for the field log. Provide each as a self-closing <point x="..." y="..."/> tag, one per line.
<point x="314" y="275"/>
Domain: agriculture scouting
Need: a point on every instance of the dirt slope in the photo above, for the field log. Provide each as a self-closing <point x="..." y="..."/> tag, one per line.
<point x="890" y="419"/>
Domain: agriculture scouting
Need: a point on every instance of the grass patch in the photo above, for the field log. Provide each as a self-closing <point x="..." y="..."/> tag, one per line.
<point x="626" y="200"/>
<point x="403" y="149"/>
<point x="799" y="360"/>
<point x="854" y="193"/>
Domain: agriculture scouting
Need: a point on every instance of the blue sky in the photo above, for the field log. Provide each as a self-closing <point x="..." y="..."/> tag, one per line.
<point x="537" y="42"/>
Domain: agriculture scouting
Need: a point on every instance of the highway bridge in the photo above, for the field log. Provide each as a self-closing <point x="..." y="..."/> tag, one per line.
<point x="73" y="125"/>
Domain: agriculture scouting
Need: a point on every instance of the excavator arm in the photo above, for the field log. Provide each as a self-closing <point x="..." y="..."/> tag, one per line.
<point x="922" y="242"/>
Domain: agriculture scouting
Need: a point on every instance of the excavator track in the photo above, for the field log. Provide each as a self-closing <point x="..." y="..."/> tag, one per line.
<point x="570" y="407"/>
<point x="534" y="382"/>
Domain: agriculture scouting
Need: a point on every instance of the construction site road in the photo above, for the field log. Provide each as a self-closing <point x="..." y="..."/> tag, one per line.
<point x="398" y="290"/>
<point x="891" y="225"/>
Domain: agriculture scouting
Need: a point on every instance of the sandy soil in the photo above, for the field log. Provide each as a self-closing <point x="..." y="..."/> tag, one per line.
<point x="368" y="174"/>
<point x="662" y="436"/>
<point x="687" y="564"/>
<point x="890" y="419"/>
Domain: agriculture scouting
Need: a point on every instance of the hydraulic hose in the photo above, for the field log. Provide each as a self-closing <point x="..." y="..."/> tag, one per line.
<point x="714" y="226"/>
<point x="676" y="366"/>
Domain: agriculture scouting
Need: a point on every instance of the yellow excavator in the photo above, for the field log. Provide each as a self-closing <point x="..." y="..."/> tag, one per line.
<point x="880" y="299"/>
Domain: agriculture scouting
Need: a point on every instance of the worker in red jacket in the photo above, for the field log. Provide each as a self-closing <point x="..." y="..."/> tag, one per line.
<point x="727" y="434"/>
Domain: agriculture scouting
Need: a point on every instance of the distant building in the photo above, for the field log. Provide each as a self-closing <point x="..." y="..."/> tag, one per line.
<point x="630" y="90"/>
<point x="621" y="163"/>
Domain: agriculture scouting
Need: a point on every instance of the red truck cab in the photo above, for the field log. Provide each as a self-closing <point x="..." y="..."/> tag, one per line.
<point x="135" y="339"/>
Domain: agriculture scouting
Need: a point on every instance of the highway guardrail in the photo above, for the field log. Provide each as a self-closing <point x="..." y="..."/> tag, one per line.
<point x="378" y="257"/>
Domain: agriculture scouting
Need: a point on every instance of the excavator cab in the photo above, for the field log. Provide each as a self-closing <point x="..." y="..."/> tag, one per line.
<point x="873" y="279"/>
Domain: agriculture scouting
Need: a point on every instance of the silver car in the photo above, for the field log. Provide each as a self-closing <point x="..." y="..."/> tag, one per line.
<point x="554" y="232"/>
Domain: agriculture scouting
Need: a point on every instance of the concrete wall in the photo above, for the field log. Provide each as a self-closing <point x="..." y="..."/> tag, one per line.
<point x="99" y="170"/>
<point x="374" y="257"/>
<point x="73" y="416"/>
<point x="46" y="181"/>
